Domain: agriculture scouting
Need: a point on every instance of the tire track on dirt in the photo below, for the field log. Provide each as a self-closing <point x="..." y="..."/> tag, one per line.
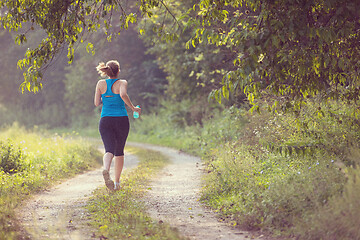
<point x="174" y="195"/>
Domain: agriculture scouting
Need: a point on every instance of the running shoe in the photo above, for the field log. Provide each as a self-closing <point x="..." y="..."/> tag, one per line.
<point x="117" y="187"/>
<point x="108" y="182"/>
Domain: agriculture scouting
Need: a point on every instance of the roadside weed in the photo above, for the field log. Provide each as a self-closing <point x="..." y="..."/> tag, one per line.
<point x="32" y="161"/>
<point x="282" y="172"/>
<point x="122" y="214"/>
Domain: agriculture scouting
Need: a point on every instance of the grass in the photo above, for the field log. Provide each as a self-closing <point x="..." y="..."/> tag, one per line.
<point x="290" y="174"/>
<point x="122" y="214"/>
<point x="339" y="219"/>
<point x="32" y="160"/>
<point x="267" y="191"/>
<point x="294" y="175"/>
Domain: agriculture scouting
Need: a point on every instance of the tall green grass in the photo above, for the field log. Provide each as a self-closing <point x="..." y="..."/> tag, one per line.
<point x="281" y="173"/>
<point x="32" y="160"/>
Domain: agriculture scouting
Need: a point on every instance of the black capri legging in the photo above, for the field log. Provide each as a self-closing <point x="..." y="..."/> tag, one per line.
<point x="114" y="132"/>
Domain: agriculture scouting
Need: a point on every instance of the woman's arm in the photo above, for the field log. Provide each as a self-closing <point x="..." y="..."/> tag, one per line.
<point x="97" y="97"/>
<point x="125" y="97"/>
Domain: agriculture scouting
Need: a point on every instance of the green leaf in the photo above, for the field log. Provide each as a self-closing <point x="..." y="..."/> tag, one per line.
<point x="225" y="92"/>
<point x="28" y="86"/>
<point x="90" y="48"/>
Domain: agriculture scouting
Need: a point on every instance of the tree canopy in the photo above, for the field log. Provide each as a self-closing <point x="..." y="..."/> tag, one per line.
<point x="65" y="24"/>
<point x="67" y="95"/>
<point x="290" y="49"/>
<point x="282" y="50"/>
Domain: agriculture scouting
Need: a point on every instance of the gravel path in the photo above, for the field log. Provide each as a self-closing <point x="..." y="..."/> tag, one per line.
<point x="174" y="195"/>
<point x="58" y="213"/>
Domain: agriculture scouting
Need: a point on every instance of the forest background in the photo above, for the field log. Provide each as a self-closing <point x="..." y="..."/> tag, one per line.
<point x="265" y="91"/>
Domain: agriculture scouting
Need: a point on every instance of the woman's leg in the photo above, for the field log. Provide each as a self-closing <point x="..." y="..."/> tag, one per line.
<point x="107" y="162"/>
<point x="122" y="131"/>
<point x="107" y="159"/>
<point x="108" y="137"/>
<point x="119" y="164"/>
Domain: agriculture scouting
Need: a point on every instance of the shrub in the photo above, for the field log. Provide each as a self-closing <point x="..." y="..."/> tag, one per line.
<point x="12" y="158"/>
<point x="35" y="160"/>
<point x="274" y="171"/>
<point x="268" y="191"/>
<point x="339" y="218"/>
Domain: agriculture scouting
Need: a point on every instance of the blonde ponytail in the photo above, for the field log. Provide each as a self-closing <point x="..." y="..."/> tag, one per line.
<point x="110" y="69"/>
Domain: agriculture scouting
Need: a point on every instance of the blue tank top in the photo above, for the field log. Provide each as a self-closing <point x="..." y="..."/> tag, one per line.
<point x="113" y="105"/>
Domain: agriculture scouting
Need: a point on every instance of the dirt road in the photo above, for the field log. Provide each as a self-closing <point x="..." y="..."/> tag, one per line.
<point x="58" y="213"/>
<point x="173" y="198"/>
<point x="174" y="195"/>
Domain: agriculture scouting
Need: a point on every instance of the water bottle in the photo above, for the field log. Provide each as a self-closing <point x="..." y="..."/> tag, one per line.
<point x="136" y="114"/>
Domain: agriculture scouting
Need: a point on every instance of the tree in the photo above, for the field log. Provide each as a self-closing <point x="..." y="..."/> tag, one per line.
<point x="143" y="75"/>
<point x="65" y="23"/>
<point x="285" y="48"/>
<point x="193" y="71"/>
<point x="46" y="107"/>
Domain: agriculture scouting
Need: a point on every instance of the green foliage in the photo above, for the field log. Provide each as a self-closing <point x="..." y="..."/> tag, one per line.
<point x="285" y="50"/>
<point x="333" y="127"/>
<point x="257" y="187"/>
<point x="122" y="214"/>
<point x="174" y="125"/>
<point x="67" y="96"/>
<point x="44" y="108"/>
<point x="146" y="81"/>
<point x="79" y="85"/>
<point x="266" y="191"/>
<point x="157" y="129"/>
<point x="339" y="219"/>
<point x="11" y="158"/>
<point x="201" y="67"/>
<point x="64" y="24"/>
<point x="31" y="161"/>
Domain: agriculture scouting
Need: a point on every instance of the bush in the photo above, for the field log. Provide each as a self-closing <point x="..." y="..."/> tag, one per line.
<point x="35" y="160"/>
<point x="277" y="172"/>
<point x="12" y="158"/>
<point x="267" y="191"/>
<point x="339" y="217"/>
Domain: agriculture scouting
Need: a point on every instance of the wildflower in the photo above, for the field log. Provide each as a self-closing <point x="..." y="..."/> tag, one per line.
<point x="309" y="168"/>
<point x="299" y="172"/>
<point x="332" y="161"/>
<point x="317" y="163"/>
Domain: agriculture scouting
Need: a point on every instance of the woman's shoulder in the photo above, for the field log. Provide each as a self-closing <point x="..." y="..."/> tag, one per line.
<point x="122" y="81"/>
<point x="101" y="82"/>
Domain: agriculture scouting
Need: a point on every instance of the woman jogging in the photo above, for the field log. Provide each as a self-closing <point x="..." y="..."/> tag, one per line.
<point x="114" y="123"/>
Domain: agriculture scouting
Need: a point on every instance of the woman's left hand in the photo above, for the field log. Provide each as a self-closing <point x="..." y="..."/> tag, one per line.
<point x="137" y="109"/>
